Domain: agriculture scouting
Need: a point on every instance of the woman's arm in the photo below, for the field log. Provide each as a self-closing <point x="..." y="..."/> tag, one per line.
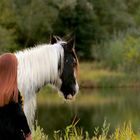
<point x="23" y="124"/>
<point x="22" y="119"/>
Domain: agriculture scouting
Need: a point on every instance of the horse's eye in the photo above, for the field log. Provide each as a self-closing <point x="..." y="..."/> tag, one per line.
<point x="67" y="60"/>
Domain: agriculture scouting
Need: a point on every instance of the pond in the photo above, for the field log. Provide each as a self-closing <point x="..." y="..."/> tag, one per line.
<point x="91" y="107"/>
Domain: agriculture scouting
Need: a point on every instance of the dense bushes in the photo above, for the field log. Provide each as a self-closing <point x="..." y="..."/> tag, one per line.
<point x="122" y="54"/>
<point x="7" y="40"/>
<point x="28" y="22"/>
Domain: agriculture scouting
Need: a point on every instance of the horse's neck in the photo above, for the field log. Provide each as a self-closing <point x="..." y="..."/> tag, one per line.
<point x="38" y="66"/>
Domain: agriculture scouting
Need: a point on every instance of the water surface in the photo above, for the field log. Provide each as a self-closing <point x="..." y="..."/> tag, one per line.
<point x="92" y="107"/>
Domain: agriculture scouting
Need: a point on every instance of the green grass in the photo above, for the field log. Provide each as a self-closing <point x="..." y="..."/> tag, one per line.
<point x="93" y="75"/>
<point x="71" y="132"/>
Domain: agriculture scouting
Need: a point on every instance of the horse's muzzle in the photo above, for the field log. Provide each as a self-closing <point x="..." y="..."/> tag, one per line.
<point x="69" y="97"/>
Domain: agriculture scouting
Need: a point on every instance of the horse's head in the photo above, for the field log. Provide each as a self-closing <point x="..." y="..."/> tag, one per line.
<point x="69" y="86"/>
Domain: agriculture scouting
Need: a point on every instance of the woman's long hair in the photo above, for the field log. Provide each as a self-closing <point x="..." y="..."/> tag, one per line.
<point x="8" y="79"/>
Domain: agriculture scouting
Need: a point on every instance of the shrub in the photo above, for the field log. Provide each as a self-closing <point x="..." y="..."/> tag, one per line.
<point x="123" y="54"/>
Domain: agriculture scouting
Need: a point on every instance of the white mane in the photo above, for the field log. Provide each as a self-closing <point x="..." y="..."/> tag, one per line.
<point x="37" y="66"/>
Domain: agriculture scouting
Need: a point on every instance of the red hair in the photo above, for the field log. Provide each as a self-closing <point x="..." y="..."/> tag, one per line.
<point x="8" y="79"/>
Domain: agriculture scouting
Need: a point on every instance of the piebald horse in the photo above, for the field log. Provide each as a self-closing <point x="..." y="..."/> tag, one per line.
<point x="55" y="63"/>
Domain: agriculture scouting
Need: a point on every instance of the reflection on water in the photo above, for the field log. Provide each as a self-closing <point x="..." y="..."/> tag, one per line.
<point x="92" y="107"/>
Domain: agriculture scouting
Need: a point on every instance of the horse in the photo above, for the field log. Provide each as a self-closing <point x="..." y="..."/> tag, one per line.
<point x="55" y="63"/>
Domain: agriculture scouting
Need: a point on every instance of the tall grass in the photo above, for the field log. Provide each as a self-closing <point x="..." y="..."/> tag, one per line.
<point x="38" y="133"/>
<point x="71" y="132"/>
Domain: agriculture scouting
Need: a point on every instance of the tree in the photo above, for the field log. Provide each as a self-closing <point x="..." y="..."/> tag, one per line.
<point x="7" y="40"/>
<point x="79" y="17"/>
<point x="34" y="19"/>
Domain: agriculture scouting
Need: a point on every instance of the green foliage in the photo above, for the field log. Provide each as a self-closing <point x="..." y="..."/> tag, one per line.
<point x="103" y="135"/>
<point x="98" y="76"/>
<point x="34" y="19"/>
<point x="7" y="40"/>
<point x="38" y="133"/>
<point x="80" y="19"/>
<point x="124" y="132"/>
<point x="7" y="17"/>
<point x="92" y="21"/>
<point x="71" y="132"/>
<point x="132" y="54"/>
<point x="113" y="55"/>
<point x="7" y="30"/>
<point x="123" y="54"/>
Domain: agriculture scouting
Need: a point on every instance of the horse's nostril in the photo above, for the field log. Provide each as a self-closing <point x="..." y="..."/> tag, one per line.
<point x="69" y="97"/>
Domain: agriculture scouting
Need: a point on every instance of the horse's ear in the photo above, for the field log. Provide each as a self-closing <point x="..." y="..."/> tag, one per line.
<point x="58" y="38"/>
<point x="69" y="36"/>
<point x="53" y="39"/>
<point x="71" y="43"/>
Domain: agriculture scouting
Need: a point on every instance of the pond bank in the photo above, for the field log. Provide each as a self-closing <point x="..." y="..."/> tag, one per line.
<point x="92" y="76"/>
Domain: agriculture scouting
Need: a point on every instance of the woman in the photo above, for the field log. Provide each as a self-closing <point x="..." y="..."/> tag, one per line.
<point x="13" y="123"/>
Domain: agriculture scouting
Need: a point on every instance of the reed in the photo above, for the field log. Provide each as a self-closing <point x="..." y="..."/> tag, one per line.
<point x="72" y="132"/>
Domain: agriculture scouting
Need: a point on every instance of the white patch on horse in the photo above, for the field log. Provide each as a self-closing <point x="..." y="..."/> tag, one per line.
<point x="76" y="85"/>
<point x="38" y="66"/>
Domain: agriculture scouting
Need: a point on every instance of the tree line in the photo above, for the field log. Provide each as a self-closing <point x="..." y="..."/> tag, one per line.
<point x="24" y="23"/>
